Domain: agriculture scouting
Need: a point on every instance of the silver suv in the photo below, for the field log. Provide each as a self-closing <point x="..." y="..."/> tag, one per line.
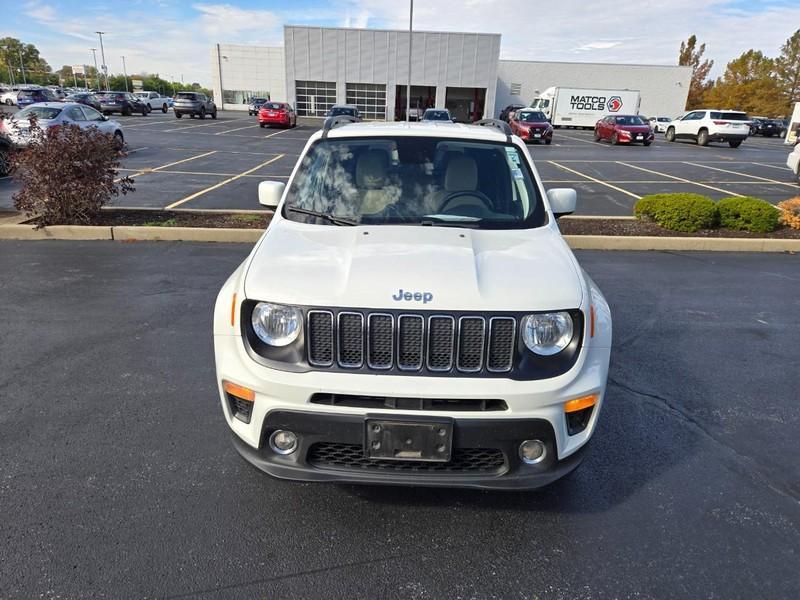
<point x="194" y="104"/>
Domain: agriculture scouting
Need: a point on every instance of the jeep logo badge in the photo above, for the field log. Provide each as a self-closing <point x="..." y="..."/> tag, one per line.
<point x="423" y="297"/>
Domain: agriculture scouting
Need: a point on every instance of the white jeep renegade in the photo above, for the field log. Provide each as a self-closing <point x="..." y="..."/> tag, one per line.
<point x="412" y="315"/>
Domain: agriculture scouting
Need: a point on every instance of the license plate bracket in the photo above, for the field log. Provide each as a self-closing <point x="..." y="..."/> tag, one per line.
<point x="424" y="441"/>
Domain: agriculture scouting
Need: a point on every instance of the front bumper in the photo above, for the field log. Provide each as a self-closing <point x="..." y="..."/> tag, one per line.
<point x="343" y="435"/>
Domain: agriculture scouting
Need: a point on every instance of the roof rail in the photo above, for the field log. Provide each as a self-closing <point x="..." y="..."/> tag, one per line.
<point x="497" y="124"/>
<point x="337" y="121"/>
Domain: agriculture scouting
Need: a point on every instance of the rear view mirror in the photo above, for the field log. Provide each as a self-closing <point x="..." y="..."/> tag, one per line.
<point x="562" y="201"/>
<point x="270" y="193"/>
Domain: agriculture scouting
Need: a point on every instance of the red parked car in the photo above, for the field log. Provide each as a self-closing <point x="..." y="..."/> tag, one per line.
<point x="276" y="113"/>
<point x="624" y="129"/>
<point x="531" y="126"/>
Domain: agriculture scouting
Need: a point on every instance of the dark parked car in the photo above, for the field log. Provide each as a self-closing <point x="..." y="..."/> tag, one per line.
<point x="437" y="114"/>
<point x="531" y="126"/>
<point x="32" y="96"/>
<point x="765" y="127"/>
<point x="84" y="98"/>
<point x="623" y="129"/>
<point x="504" y="114"/>
<point x="194" y="104"/>
<point x="123" y="103"/>
<point x="255" y="104"/>
<point x="344" y="109"/>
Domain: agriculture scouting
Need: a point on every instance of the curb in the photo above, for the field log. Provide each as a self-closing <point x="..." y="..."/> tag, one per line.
<point x="250" y="236"/>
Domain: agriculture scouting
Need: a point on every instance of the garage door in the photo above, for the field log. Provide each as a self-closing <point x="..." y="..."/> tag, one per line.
<point x="369" y="98"/>
<point x="315" y="98"/>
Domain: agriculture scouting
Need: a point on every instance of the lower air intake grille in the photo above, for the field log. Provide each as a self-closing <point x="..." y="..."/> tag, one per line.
<point x="329" y="455"/>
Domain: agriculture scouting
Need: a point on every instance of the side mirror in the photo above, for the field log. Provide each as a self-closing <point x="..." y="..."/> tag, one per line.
<point x="562" y="201"/>
<point x="105" y="118"/>
<point x="270" y="193"/>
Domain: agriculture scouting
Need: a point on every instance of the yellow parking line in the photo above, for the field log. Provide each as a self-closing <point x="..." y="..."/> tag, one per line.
<point x="681" y="179"/>
<point x="171" y="172"/>
<point x="590" y="178"/>
<point x="744" y="175"/>
<point x="221" y="183"/>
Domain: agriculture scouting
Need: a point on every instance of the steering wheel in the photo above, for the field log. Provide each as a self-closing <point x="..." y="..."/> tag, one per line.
<point x="474" y="193"/>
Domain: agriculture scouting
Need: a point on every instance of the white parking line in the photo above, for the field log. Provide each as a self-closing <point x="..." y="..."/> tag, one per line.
<point x="782" y="168"/>
<point x="590" y="178"/>
<point x="277" y="133"/>
<point x="172" y="164"/>
<point x="214" y="122"/>
<point x="681" y="179"/>
<point x="569" y="137"/>
<point x="236" y="129"/>
<point x="792" y="185"/>
<point x="221" y="183"/>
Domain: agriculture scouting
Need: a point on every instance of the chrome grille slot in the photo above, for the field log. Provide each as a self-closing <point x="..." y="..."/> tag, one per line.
<point x="350" y="340"/>
<point x="501" y="344"/>
<point x="441" y="334"/>
<point x="380" y="343"/>
<point x="320" y="338"/>
<point x="409" y="343"/>
<point x="471" y="338"/>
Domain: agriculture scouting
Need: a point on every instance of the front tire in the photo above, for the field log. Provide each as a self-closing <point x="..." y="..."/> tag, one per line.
<point x="547" y="141"/>
<point x="596" y="136"/>
<point x="262" y="125"/>
<point x="214" y="114"/>
<point x="670" y="135"/>
<point x="702" y="138"/>
<point x="735" y="143"/>
<point x="164" y="108"/>
<point x="647" y="143"/>
<point x="144" y="112"/>
<point x="614" y="139"/>
<point x="178" y="115"/>
<point x="202" y="113"/>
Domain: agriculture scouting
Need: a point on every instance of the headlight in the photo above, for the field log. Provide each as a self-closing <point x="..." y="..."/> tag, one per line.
<point x="276" y="324"/>
<point x="547" y="333"/>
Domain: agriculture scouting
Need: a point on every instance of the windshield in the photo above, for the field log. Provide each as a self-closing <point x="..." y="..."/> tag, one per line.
<point x="629" y="120"/>
<point x="531" y="116"/>
<point x="258" y="100"/>
<point x="416" y="180"/>
<point x="436" y="115"/>
<point x="272" y="105"/>
<point x="663" y="119"/>
<point x="730" y="116"/>
<point x="40" y="112"/>
<point x="340" y="110"/>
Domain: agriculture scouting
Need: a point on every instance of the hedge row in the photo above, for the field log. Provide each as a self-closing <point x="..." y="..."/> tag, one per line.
<point x="690" y="212"/>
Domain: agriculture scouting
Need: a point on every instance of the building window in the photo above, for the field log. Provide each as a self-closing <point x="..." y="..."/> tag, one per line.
<point x="368" y="98"/>
<point x="516" y="89"/>
<point x="314" y="98"/>
<point x="242" y="96"/>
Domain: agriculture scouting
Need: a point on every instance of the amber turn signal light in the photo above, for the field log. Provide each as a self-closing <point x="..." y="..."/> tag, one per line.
<point x="580" y="403"/>
<point x="239" y="391"/>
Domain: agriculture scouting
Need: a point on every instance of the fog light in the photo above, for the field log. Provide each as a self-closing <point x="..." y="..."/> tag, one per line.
<point x="532" y="451"/>
<point x="283" y="442"/>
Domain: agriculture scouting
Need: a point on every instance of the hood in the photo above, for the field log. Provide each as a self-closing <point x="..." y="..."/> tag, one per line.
<point x="634" y="128"/>
<point x="534" y="124"/>
<point x="449" y="268"/>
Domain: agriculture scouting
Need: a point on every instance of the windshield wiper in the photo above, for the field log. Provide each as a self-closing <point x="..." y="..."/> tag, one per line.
<point x="330" y="218"/>
<point x="451" y="221"/>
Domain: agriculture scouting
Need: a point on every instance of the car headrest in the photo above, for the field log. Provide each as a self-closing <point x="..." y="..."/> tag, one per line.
<point x="461" y="174"/>
<point x="371" y="169"/>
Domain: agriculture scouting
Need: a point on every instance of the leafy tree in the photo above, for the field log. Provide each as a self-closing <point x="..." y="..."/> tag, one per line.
<point x="692" y="56"/>
<point x="14" y="55"/>
<point x="787" y="69"/>
<point x="748" y="84"/>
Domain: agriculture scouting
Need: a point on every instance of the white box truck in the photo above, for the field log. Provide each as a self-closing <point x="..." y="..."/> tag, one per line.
<point x="583" y="107"/>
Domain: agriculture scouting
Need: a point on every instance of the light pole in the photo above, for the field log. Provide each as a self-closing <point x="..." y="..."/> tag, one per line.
<point x="408" y="87"/>
<point x="22" y="66"/>
<point x="125" y="73"/>
<point x="103" y="57"/>
<point x="96" y="71"/>
<point x="172" y="83"/>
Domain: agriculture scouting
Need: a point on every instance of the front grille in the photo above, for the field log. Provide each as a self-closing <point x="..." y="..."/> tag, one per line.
<point x="394" y="403"/>
<point x="241" y="409"/>
<point x="331" y="455"/>
<point x="410" y="342"/>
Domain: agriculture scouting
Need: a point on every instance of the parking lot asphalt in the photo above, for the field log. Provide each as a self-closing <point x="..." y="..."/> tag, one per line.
<point x="118" y="479"/>
<point x="217" y="164"/>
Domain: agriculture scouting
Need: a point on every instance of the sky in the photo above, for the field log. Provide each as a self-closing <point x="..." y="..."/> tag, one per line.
<point x="174" y="38"/>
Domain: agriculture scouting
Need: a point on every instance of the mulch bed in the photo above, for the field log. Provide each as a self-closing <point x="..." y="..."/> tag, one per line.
<point x="624" y="227"/>
<point x="162" y="218"/>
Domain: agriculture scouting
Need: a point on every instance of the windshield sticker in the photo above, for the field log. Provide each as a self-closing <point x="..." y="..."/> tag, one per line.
<point x="517" y="173"/>
<point x="513" y="155"/>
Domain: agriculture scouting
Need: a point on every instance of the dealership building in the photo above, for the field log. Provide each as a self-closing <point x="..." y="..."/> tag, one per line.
<point x="318" y="67"/>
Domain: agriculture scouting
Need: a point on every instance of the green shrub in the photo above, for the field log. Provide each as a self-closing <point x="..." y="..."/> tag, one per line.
<point x="749" y="214"/>
<point x="678" y="212"/>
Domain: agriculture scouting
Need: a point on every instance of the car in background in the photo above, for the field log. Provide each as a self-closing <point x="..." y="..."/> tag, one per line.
<point x="123" y="103"/>
<point x="505" y="114"/>
<point x="347" y="110"/>
<point x="50" y="115"/>
<point x="34" y="96"/>
<point x="793" y="161"/>
<point x="84" y="98"/>
<point x="255" y="104"/>
<point x="659" y="124"/>
<point x="783" y="126"/>
<point x="437" y="114"/>
<point x="9" y="97"/>
<point x="194" y="104"/>
<point x="276" y="113"/>
<point x="531" y="126"/>
<point x="154" y="101"/>
<point x="764" y="126"/>
<point x="624" y="129"/>
<point x="711" y="125"/>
